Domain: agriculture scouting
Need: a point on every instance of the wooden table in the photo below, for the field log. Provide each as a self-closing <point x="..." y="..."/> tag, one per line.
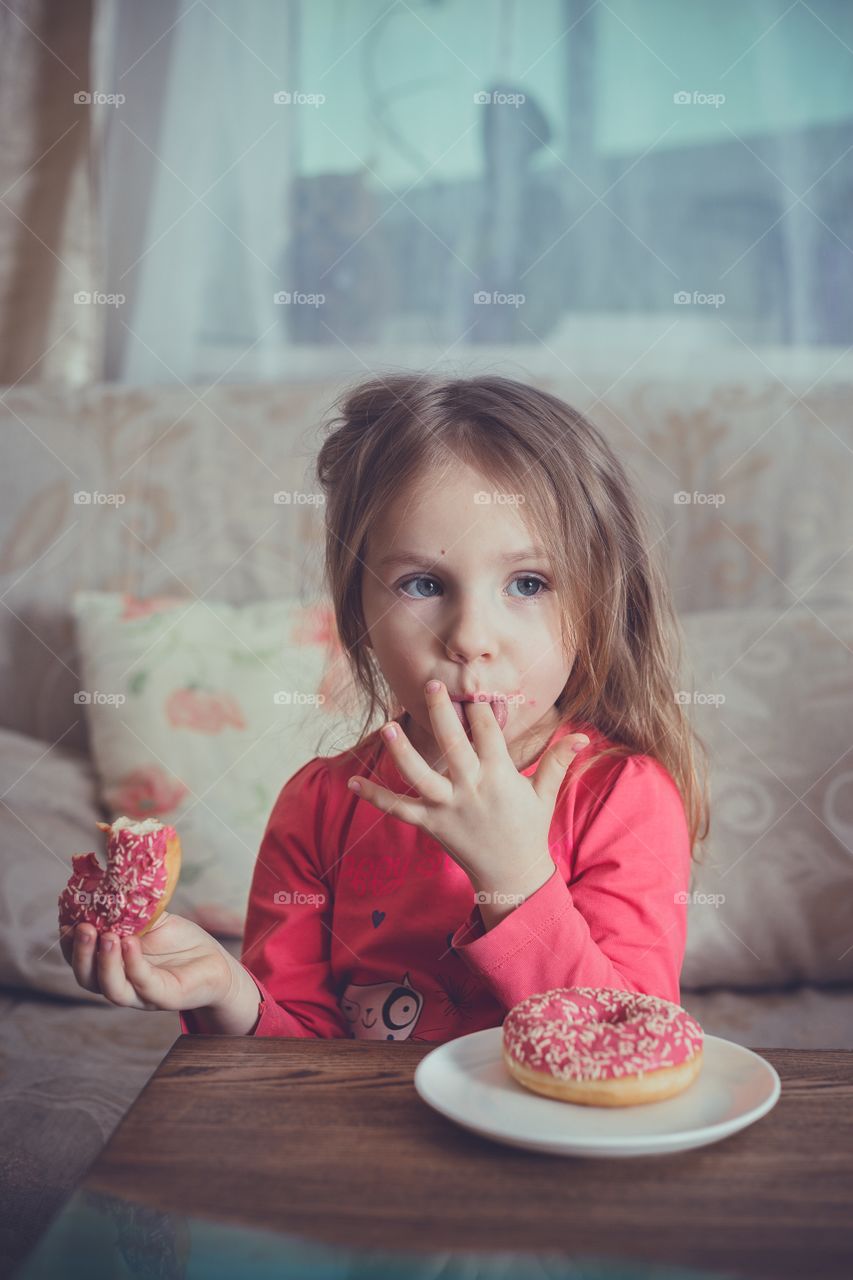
<point x="328" y="1140"/>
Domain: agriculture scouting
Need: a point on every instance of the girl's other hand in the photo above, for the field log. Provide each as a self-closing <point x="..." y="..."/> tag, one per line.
<point x="176" y="965"/>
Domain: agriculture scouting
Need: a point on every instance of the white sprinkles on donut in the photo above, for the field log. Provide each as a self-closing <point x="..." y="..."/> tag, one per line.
<point x="599" y="1033"/>
<point x="125" y="896"/>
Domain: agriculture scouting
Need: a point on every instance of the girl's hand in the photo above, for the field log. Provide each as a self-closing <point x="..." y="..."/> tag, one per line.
<point x="490" y="818"/>
<point x="175" y="965"/>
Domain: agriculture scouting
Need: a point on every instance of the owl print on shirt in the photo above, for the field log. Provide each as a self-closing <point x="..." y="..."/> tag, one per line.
<point x="382" y="1010"/>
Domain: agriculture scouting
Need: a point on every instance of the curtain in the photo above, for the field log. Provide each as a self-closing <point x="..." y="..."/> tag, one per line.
<point x="291" y="188"/>
<point x="48" y="237"/>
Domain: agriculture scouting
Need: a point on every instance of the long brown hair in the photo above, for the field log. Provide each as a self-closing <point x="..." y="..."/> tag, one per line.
<point x="386" y="433"/>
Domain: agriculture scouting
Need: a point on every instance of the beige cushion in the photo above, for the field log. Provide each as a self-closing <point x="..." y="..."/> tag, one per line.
<point x="772" y="696"/>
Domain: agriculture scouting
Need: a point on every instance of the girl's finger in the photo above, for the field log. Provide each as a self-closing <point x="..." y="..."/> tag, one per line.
<point x="388" y="801"/>
<point x="66" y="942"/>
<point x="146" y="980"/>
<point x="412" y="766"/>
<point x="83" y="957"/>
<point x="553" y="765"/>
<point x="459" y="753"/>
<point x="489" y="741"/>
<point x="111" y="975"/>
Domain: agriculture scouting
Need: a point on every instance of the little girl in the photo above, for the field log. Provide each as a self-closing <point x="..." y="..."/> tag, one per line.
<point x="526" y="816"/>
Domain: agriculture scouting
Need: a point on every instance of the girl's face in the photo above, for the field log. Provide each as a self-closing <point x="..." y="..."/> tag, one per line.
<point x="450" y="592"/>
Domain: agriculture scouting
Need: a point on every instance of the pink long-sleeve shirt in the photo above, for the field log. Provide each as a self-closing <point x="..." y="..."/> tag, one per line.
<point x="361" y="925"/>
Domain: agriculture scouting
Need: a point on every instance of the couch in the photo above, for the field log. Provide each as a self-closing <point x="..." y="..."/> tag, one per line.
<point x="747" y="467"/>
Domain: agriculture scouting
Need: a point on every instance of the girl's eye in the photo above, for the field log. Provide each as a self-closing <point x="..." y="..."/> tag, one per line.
<point x="527" y="578"/>
<point x="410" y="582"/>
<point x="537" y="582"/>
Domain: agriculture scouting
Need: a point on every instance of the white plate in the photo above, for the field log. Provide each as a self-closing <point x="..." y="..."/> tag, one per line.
<point x="467" y="1081"/>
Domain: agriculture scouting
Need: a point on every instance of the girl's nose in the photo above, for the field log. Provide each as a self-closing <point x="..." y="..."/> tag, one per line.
<point x="469" y="636"/>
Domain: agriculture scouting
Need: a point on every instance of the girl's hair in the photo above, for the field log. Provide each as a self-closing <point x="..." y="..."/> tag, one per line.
<point x="389" y="432"/>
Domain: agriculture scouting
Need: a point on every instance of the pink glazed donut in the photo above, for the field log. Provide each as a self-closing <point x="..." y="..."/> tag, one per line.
<point x="143" y="866"/>
<point x="602" y="1047"/>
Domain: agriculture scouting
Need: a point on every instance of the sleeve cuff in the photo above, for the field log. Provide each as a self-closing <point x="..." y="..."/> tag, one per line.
<point x="272" y="1019"/>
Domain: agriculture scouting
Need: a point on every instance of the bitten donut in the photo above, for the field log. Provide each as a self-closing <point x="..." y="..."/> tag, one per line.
<point x="143" y="865"/>
<point x="602" y="1047"/>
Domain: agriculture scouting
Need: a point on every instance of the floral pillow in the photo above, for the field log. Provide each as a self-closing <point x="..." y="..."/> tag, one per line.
<point x="198" y="713"/>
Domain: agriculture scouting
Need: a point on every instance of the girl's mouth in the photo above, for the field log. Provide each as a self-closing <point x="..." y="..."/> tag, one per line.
<point x="499" y="708"/>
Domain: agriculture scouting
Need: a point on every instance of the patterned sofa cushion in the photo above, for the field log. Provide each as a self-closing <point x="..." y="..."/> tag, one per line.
<point x="771" y="695"/>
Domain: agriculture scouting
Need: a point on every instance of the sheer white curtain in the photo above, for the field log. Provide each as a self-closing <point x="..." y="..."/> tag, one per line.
<point x="307" y="186"/>
<point x="196" y="169"/>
